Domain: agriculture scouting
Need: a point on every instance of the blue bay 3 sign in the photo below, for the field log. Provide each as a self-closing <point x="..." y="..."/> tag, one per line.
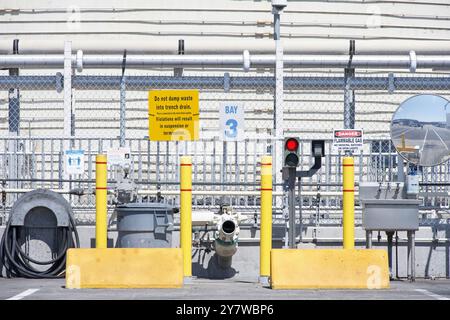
<point x="232" y="121"/>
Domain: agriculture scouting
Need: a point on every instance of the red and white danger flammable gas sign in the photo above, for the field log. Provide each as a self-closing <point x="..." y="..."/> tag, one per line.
<point x="348" y="139"/>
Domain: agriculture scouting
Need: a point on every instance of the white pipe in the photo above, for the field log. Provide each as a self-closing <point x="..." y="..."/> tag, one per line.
<point x="226" y="239"/>
<point x="21" y="190"/>
<point x="310" y="239"/>
<point x="202" y="218"/>
<point x="206" y="192"/>
<point x="239" y="193"/>
<point x="228" y="235"/>
<point x="196" y="192"/>
<point x="114" y="44"/>
<point x="226" y="61"/>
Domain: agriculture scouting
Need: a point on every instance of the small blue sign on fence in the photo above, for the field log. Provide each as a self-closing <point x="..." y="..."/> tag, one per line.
<point x="74" y="161"/>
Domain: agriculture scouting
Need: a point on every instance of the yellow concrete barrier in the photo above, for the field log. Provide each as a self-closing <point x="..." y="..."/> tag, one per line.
<point x="329" y="269"/>
<point x="124" y="268"/>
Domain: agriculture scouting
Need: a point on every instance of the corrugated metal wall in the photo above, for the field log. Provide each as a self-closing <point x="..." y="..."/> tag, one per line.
<point x="315" y="26"/>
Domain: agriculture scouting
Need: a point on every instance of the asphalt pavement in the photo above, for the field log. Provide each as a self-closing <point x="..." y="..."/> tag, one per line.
<point x="203" y="289"/>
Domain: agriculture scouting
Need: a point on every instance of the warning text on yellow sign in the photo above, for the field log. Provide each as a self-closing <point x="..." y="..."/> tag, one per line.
<point x="173" y="115"/>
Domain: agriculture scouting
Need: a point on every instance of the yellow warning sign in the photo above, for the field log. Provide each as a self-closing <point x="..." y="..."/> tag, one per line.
<point x="173" y="115"/>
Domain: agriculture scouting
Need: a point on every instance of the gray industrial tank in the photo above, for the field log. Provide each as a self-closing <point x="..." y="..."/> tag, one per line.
<point x="144" y="225"/>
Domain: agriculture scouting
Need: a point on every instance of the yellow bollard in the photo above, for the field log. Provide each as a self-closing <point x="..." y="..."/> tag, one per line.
<point x="266" y="216"/>
<point x="101" y="201"/>
<point x="348" y="203"/>
<point x="186" y="213"/>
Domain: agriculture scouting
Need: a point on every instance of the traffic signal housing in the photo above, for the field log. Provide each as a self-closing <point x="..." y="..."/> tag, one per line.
<point x="291" y="152"/>
<point x="318" y="148"/>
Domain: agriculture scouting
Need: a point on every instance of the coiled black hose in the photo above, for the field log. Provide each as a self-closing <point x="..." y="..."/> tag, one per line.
<point x="16" y="262"/>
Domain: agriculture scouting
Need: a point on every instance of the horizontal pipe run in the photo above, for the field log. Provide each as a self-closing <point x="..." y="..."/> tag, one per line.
<point x="140" y="83"/>
<point x="221" y="60"/>
<point x="19" y="190"/>
<point x="206" y="192"/>
<point x="194" y="192"/>
<point x="81" y="192"/>
<point x="318" y="240"/>
<point x="145" y="182"/>
<point x="201" y="183"/>
<point x="216" y="138"/>
<point x="237" y="193"/>
<point x="246" y="184"/>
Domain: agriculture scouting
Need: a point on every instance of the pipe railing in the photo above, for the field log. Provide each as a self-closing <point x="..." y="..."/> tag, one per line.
<point x="155" y="192"/>
<point x="194" y="192"/>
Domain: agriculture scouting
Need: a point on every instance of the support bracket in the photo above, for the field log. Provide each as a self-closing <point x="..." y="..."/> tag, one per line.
<point x="412" y="61"/>
<point x="226" y="82"/>
<point x="391" y="83"/>
<point x="246" y="60"/>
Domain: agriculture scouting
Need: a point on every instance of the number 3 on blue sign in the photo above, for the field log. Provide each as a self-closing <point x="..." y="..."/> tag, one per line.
<point x="232" y="131"/>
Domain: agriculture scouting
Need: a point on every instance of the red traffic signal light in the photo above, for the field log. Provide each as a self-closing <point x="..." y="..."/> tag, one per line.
<point x="291" y="152"/>
<point x="291" y="144"/>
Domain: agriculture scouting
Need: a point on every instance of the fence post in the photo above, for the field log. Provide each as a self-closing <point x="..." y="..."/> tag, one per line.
<point x="186" y="213"/>
<point x="67" y="127"/>
<point x="67" y="88"/>
<point x="349" y="101"/>
<point x="14" y="126"/>
<point x="266" y="218"/>
<point x="349" y="93"/>
<point x="279" y="102"/>
<point x="101" y="202"/>
<point x="123" y="102"/>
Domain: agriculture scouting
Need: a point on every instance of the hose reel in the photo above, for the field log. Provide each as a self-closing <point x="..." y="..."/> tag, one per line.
<point x="40" y="224"/>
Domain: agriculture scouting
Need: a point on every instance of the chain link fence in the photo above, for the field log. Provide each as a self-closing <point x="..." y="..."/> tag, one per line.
<point x="111" y="110"/>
